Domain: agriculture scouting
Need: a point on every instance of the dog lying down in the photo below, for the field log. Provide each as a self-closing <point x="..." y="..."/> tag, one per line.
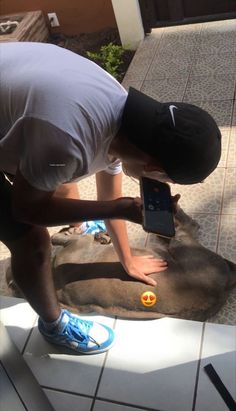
<point x="195" y="285"/>
<point x="89" y="278"/>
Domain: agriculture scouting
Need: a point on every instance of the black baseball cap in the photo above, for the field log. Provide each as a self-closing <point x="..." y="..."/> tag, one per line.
<point x="184" y="138"/>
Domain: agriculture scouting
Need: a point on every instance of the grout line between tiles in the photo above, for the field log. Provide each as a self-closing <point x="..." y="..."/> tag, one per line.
<point x="198" y="368"/>
<point x="221" y="213"/>
<point x="13" y="386"/>
<point x="101" y="373"/>
<point x="29" y="335"/>
<point x="195" y="56"/>
<point x="230" y="126"/>
<point x="212" y="100"/>
<point x="234" y="97"/>
<point x="45" y="387"/>
<point x="155" y="50"/>
<point x="127" y="405"/>
<point x="193" y="62"/>
<point x="154" y="54"/>
<point x="186" y="85"/>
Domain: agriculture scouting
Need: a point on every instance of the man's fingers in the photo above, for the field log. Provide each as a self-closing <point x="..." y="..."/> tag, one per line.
<point x="143" y="266"/>
<point x="159" y="269"/>
<point x="145" y="278"/>
<point x="153" y="258"/>
<point x="149" y="280"/>
<point x="155" y="263"/>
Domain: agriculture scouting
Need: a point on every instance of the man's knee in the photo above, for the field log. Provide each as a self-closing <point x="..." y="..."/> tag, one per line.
<point x="34" y="245"/>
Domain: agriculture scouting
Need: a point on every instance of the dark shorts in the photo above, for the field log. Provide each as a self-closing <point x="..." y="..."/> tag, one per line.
<point x="10" y="229"/>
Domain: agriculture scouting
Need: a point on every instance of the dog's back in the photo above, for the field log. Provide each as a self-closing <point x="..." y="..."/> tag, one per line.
<point x="89" y="278"/>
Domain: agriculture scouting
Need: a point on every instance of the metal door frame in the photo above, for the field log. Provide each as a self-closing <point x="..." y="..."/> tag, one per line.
<point x="148" y="13"/>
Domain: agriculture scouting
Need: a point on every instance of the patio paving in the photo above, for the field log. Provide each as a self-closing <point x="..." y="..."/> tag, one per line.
<point x="158" y="364"/>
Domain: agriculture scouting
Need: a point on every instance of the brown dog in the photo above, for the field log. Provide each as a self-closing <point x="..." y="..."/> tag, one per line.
<point x="195" y="285"/>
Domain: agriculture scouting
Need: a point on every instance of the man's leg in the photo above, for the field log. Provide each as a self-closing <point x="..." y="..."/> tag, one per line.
<point x="31" y="269"/>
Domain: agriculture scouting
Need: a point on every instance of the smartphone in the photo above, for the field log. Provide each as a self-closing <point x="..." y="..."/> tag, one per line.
<point x="157" y="207"/>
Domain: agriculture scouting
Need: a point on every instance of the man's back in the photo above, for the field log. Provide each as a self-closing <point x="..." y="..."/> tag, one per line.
<point x="56" y="92"/>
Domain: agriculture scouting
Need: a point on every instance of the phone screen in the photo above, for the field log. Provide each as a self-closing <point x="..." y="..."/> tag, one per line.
<point x="157" y="207"/>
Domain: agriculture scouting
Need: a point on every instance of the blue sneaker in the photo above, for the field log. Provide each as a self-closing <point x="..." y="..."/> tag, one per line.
<point x="82" y="336"/>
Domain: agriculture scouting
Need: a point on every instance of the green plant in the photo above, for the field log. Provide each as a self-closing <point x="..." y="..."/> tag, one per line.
<point x="110" y="57"/>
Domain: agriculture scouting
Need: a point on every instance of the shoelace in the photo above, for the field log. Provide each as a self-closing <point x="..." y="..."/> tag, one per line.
<point x="78" y="330"/>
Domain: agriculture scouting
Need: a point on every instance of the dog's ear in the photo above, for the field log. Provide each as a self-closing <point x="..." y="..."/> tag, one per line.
<point x="175" y="200"/>
<point x="232" y="270"/>
<point x="230" y="264"/>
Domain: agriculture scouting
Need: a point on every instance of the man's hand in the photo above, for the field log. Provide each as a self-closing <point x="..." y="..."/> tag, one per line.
<point x="130" y="208"/>
<point x="140" y="267"/>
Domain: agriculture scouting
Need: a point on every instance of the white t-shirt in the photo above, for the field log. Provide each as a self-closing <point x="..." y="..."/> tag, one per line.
<point x="58" y="114"/>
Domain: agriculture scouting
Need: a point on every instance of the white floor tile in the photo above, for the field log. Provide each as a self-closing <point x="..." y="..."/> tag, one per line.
<point x="55" y="367"/>
<point x="208" y="229"/>
<point x="62" y="401"/>
<point x="18" y="317"/>
<point x="229" y="201"/>
<point x="153" y="364"/>
<point x="202" y="198"/>
<point x="231" y="160"/>
<point x="226" y="315"/>
<point x="219" y="345"/>
<point x="227" y="238"/>
<point x="108" y="406"/>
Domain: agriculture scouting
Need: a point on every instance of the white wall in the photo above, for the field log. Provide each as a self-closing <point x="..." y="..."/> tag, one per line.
<point x="129" y="22"/>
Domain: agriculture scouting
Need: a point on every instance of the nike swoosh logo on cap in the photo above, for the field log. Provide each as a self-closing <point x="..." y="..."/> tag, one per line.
<point x="171" y="108"/>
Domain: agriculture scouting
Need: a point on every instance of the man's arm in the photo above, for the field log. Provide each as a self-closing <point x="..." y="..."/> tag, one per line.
<point x="36" y="207"/>
<point x="109" y="187"/>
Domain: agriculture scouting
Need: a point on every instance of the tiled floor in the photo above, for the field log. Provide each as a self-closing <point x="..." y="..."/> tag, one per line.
<point x="155" y="365"/>
<point x="158" y="364"/>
